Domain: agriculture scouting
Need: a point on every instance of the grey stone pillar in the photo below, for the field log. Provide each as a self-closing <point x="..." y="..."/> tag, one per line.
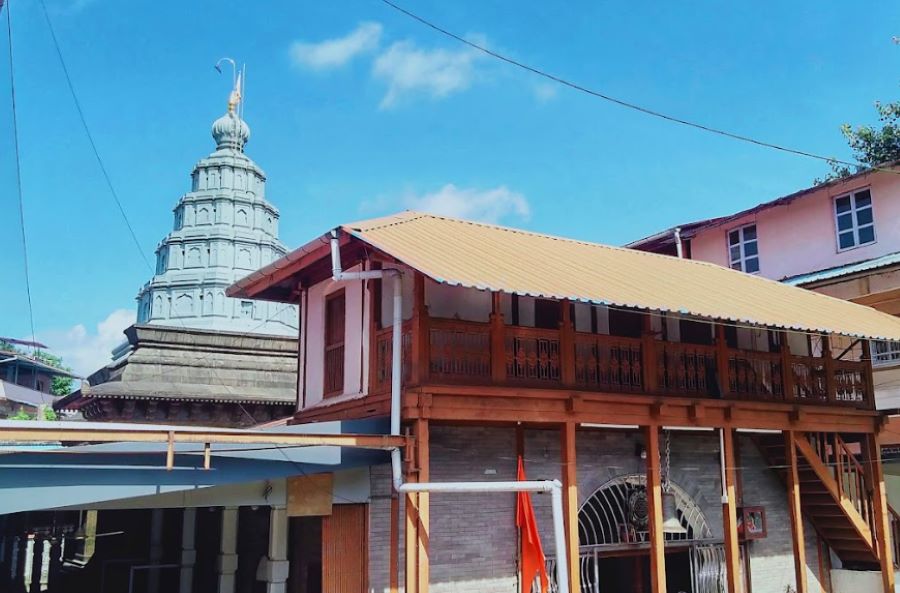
<point x="188" y="550"/>
<point x="227" y="564"/>
<point x="275" y="567"/>
<point x="156" y="549"/>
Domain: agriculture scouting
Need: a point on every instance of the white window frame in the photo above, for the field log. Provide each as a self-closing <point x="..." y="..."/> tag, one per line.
<point x="742" y="260"/>
<point x="855" y="226"/>
<point x="890" y="357"/>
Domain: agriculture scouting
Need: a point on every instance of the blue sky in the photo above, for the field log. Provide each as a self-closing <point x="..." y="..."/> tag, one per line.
<point x="357" y="111"/>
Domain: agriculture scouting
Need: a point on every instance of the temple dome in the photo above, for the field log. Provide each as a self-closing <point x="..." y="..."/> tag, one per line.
<point x="230" y="131"/>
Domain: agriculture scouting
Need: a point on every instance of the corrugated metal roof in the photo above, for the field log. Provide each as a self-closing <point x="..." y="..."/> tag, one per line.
<point x="845" y="270"/>
<point x="487" y="257"/>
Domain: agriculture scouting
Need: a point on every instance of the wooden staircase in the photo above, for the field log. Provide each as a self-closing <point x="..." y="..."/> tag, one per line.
<point x="835" y="493"/>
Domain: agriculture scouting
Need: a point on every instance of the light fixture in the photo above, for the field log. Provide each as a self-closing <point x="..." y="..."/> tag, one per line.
<point x="671" y="522"/>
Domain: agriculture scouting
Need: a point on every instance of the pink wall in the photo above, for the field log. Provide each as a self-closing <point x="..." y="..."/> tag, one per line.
<point x="800" y="237"/>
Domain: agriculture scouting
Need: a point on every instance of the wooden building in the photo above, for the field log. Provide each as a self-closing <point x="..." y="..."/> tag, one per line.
<point x="712" y="430"/>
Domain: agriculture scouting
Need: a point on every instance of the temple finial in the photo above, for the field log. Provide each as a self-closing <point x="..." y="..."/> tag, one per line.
<point x="237" y="84"/>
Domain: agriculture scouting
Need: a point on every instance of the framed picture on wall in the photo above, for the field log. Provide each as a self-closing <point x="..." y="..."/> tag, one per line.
<point x="751" y="523"/>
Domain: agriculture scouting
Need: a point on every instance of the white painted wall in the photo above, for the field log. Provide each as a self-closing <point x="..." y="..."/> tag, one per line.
<point x="856" y="581"/>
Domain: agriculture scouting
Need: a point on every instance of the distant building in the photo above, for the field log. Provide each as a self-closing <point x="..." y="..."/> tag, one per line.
<point x="26" y="383"/>
<point x="841" y="239"/>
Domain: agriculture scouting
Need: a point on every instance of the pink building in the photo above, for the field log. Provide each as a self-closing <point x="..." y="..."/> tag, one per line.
<point x="841" y="238"/>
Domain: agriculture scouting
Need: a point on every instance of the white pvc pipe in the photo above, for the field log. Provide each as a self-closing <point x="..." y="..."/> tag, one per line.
<point x="679" y="249"/>
<point x="722" y="465"/>
<point x="554" y="487"/>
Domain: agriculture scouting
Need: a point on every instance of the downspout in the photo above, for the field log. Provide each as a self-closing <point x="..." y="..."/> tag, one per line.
<point x="554" y="487"/>
<point x="679" y="248"/>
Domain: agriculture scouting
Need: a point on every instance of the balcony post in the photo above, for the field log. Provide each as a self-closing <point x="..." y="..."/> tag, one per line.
<point x="649" y="357"/>
<point x="421" y="334"/>
<point x="567" y="344"/>
<point x="722" y="370"/>
<point x="868" y="380"/>
<point x="796" y="514"/>
<point x="570" y="503"/>
<point x="498" y="341"/>
<point x="654" y="503"/>
<point x="787" y="368"/>
<point x="828" y="366"/>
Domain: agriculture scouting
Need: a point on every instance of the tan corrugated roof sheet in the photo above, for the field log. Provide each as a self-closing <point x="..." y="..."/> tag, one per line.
<point x="488" y="257"/>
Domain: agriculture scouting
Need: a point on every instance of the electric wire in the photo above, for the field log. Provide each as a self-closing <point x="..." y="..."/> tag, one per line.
<point x="90" y="137"/>
<point x="18" y="161"/>
<point x="628" y="104"/>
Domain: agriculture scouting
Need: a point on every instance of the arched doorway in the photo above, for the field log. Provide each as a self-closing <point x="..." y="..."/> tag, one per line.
<point x="614" y="542"/>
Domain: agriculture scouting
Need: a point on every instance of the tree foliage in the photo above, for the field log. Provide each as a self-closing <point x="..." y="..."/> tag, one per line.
<point x="60" y="385"/>
<point x="871" y="146"/>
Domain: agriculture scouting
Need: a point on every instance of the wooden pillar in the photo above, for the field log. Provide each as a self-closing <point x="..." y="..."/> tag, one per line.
<point x="722" y="370"/>
<point x="498" y="341"/>
<point x="787" y="368"/>
<point x="729" y="513"/>
<point x="567" y="344"/>
<point x="411" y="528"/>
<point x="654" y="509"/>
<point x="423" y="455"/>
<point x="421" y="335"/>
<point x="828" y="366"/>
<point x="793" y="488"/>
<point x="649" y="356"/>
<point x="394" y="554"/>
<point x="869" y="383"/>
<point x="570" y="503"/>
<point x="882" y="516"/>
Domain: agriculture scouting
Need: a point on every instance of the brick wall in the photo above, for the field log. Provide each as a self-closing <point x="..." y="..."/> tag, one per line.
<point x="473" y="536"/>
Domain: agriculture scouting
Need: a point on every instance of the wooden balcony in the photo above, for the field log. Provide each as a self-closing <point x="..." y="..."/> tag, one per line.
<point x="470" y="353"/>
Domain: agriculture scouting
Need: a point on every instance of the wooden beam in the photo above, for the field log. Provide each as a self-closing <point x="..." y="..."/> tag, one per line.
<point x="411" y="534"/>
<point x="654" y="503"/>
<point x="882" y="516"/>
<point x="567" y="345"/>
<point x="793" y="492"/>
<point x="423" y="552"/>
<point x="570" y="503"/>
<point x="649" y="356"/>
<point x="203" y="436"/>
<point x="421" y="336"/>
<point x="498" y="340"/>
<point x="170" y="451"/>
<point x="729" y="513"/>
<point x="722" y="367"/>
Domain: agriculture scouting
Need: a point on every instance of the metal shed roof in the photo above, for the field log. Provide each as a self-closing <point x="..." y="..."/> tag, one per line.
<point x="489" y="257"/>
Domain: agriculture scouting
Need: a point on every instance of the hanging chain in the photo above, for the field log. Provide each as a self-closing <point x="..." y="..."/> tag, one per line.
<point x="665" y="482"/>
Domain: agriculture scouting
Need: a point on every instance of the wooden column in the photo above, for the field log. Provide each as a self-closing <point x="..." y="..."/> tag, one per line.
<point x="828" y="365"/>
<point x="649" y="357"/>
<point x="654" y="504"/>
<point x="722" y="361"/>
<point x="411" y="533"/>
<point x="498" y="341"/>
<point x="729" y="513"/>
<point x="882" y="516"/>
<point x="570" y="503"/>
<point x="421" y="335"/>
<point x="567" y="344"/>
<point x="867" y="378"/>
<point x="787" y="368"/>
<point x="423" y="455"/>
<point x="793" y="488"/>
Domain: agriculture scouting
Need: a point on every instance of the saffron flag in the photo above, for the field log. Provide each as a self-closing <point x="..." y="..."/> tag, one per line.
<point x="532" y="553"/>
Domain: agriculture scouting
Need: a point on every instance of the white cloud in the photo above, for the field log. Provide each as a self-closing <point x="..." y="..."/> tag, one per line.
<point x="333" y="53"/>
<point x="86" y="351"/>
<point x="436" y="72"/>
<point x="488" y="205"/>
<point x="545" y="91"/>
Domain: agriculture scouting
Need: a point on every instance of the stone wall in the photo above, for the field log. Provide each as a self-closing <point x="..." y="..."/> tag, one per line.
<point x="473" y="536"/>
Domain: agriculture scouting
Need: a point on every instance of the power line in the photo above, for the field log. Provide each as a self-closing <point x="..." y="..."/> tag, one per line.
<point x="628" y="104"/>
<point x="90" y="137"/>
<point x="15" y="122"/>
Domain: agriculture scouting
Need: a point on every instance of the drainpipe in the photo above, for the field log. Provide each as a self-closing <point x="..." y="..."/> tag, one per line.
<point x="679" y="248"/>
<point x="554" y="487"/>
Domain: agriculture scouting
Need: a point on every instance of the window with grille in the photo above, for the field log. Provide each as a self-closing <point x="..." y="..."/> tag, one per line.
<point x="743" y="249"/>
<point x="854" y="221"/>
<point x="885" y="352"/>
<point x="335" y="310"/>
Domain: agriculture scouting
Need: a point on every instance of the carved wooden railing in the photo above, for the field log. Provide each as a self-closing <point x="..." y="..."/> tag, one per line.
<point x="383" y="344"/>
<point x="467" y="352"/>
<point x="460" y="351"/>
<point x="608" y="363"/>
<point x="532" y="355"/>
<point x="686" y="369"/>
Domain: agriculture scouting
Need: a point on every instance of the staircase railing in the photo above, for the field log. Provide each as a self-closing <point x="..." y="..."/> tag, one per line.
<point x="895" y="535"/>
<point x="848" y="472"/>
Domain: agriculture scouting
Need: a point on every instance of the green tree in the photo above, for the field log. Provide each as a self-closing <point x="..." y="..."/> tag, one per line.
<point x="871" y="146"/>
